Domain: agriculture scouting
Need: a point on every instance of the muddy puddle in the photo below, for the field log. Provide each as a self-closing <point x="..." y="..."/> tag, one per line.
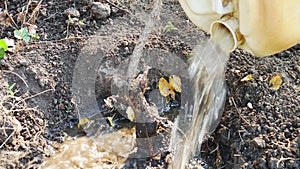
<point x="109" y="150"/>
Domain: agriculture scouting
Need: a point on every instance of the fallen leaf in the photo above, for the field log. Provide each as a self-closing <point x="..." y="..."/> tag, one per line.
<point x="165" y="88"/>
<point x="168" y="88"/>
<point x="175" y="83"/>
<point x="110" y="120"/>
<point x="276" y="82"/>
<point x="247" y="78"/>
<point x="130" y="113"/>
<point x="83" y="122"/>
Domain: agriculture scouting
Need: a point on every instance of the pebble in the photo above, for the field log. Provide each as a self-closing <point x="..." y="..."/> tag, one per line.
<point x="272" y="162"/>
<point x="23" y="62"/>
<point x="259" y="142"/>
<point x="73" y="12"/>
<point x="42" y="82"/>
<point x="100" y="10"/>
<point x="262" y="163"/>
<point x="250" y="105"/>
<point x="297" y="68"/>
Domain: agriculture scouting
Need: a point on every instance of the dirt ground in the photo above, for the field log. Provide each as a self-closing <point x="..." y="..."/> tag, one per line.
<point x="259" y="128"/>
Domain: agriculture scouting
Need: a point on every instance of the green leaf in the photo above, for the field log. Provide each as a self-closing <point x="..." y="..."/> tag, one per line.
<point x="9" y="90"/>
<point x="11" y="86"/>
<point x="22" y="34"/>
<point x="11" y="93"/>
<point x="18" y="34"/>
<point x="2" y="53"/>
<point x="3" y="44"/>
<point x="36" y="36"/>
<point x="26" y="38"/>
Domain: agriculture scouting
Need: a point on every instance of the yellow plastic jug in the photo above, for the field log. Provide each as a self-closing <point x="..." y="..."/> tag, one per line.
<point x="261" y="27"/>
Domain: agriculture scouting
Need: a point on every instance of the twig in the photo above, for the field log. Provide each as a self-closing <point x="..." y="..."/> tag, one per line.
<point x="62" y="40"/>
<point x="27" y="109"/>
<point x="7" y="71"/>
<point x="232" y="99"/>
<point x="11" y="18"/>
<point x="214" y="149"/>
<point x="37" y="135"/>
<point x="176" y="128"/>
<point x="7" y="128"/>
<point x="35" y="10"/>
<point x="52" y="15"/>
<point x="30" y="97"/>
<point x="241" y="137"/>
<point x="68" y="26"/>
<point x="284" y="159"/>
<point x="116" y="6"/>
<point x="26" y="11"/>
<point x="11" y="134"/>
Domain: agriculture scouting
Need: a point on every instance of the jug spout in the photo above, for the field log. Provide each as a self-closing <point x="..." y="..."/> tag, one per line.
<point x="225" y="33"/>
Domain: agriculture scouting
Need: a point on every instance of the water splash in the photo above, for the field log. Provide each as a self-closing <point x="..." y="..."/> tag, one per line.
<point x="207" y="70"/>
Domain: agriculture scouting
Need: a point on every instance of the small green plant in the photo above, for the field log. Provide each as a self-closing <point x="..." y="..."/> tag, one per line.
<point x="81" y="22"/>
<point x="22" y="34"/>
<point x="68" y="25"/>
<point x="25" y="34"/>
<point x="10" y="89"/>
<point x="3" y="48"/>
<point x="169" y="27"/>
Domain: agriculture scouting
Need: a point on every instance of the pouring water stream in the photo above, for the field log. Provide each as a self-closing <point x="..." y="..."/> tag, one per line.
<point x="206" y="70"/>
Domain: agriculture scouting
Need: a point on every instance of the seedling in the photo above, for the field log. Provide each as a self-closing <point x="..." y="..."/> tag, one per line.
<point x="169" y="27"/>
<point x="22" y="34"/>
<point x="68" y="25"/>
<point x="10" y="89"/>
<point x="3" y="48"/>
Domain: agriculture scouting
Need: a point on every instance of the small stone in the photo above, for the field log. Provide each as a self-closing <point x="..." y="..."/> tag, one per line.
<point x="297" y="68"/>
<point x="262" y="164"/>
<point x="42" y="82"/>
<point x="250" y="105"/>
<point x="258" y="142"/>
<point x="36" y="128"/>
<point x="100" y="10"/>
<point x="24" y="62"/>
<point x="115" y="10"/>
<point x="55" y="101"/>
<point x="61" y="106"/>
<point x="259" y="129"/>
<point x="44" y="11"/>
<point x="72" y="12"/>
